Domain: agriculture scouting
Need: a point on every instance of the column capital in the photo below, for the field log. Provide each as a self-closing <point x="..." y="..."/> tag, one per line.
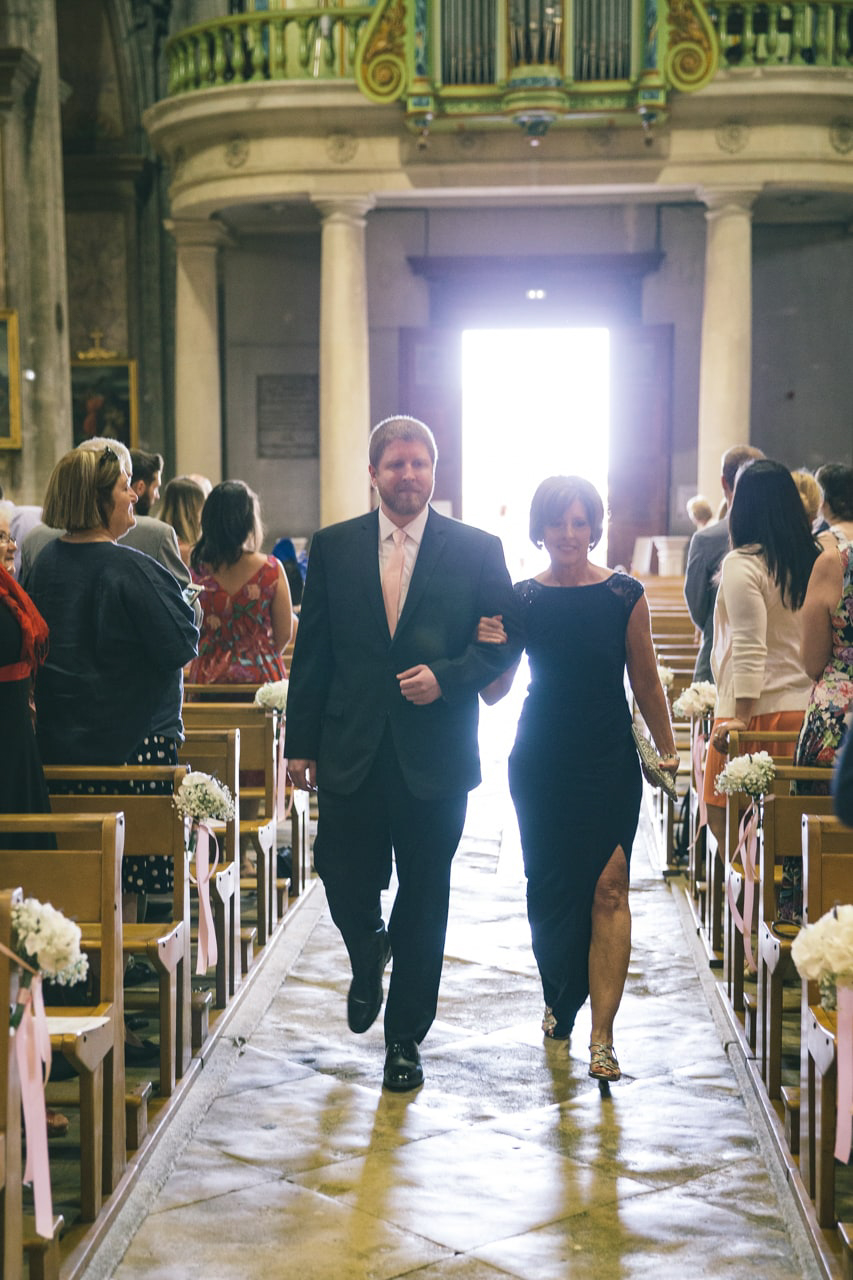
<point x="352" y="209"/>
<point x="724" y="201"/>
<point x="197" y="233"/>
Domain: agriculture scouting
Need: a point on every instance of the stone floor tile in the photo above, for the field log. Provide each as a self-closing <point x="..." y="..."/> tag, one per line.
<point x="463" y="1191"/>
<point x="273" y="1230"/>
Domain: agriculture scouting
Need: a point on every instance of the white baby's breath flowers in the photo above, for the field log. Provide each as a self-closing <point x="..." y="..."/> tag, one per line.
<point x="203" y="798"/>
<point x="823" y="951"/>
<point x="666" y="675"/>
<point x="698" y="699"/>
<point x="753" y="774"/>
<point x="273" y="695"/>
<point x="48" y="941"/>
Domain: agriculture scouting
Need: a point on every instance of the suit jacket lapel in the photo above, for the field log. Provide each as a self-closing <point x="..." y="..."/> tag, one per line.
<point x="368" y="561"/>
<point x="429" y="553"/>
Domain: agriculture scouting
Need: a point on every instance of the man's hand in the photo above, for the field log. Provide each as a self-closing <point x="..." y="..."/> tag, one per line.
<point x="303" y="774"/>
<point x="491" y="631"/>
<point x="419" y="685"/>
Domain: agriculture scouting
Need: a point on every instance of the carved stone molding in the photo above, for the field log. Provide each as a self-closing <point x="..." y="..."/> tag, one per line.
<point x="341" y="147"/>
<point x="732" y="136"/>
<point x="18" y="70"/>
<point x="841" y="136"/>
<point x="236" y="151"/>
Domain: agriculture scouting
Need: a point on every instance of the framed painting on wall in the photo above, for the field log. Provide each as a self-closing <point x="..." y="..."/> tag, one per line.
<point x="10" y="382"/>
<point x="104" y="400"/>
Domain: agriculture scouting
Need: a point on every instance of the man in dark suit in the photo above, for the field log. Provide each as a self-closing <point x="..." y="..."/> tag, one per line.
<point x="382" y="718"/>
<point x="708" y="547"/>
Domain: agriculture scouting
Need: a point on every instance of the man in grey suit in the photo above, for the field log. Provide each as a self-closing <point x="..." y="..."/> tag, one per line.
<point x="382" y="715"/>
<point x="708" y="546"/>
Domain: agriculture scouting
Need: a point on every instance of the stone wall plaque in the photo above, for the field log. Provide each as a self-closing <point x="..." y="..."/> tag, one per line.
<point x="288" y="415"/>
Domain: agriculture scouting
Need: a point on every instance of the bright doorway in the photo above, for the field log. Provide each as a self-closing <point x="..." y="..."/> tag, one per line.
<point x="535" y="402"/>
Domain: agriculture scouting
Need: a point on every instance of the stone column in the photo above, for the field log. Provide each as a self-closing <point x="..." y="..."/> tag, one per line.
<point x="344" y="359"/>
<point x="198" y="400"/>
<point x="726" y="357"/>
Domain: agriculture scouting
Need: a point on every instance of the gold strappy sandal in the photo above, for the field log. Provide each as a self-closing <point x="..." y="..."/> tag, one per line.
<point x="603" y="1064"/>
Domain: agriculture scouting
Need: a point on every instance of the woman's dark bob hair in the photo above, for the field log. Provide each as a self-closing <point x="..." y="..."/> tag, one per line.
<point x="555" y="495"/>
<point x="768" y="519"/>
<point x="230" y="525"/>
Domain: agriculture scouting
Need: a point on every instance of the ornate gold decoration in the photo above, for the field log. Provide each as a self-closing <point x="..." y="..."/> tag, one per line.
<point x="381" y="56"/>
<point x="96" y="351"/>
<point x="693" y="53"/>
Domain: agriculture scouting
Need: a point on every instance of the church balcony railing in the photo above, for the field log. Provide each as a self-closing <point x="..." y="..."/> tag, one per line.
<point x="491" y="64"/>
<point x="754" y="34"/>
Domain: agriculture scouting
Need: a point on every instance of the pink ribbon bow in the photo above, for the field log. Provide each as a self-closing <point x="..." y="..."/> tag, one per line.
<point x="844" y="1060"/>
<point x="208" y="952"/>
<point x="32" y="1052"/>
<point x="747" y="847"/>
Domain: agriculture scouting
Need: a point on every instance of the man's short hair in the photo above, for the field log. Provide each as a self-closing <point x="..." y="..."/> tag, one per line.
<point x="145" y="465"/>
<point x="734" y="458"/>
<point x="399" y="428"/>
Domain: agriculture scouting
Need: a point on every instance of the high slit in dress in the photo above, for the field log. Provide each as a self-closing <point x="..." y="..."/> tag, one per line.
<point x="574" y="774"/>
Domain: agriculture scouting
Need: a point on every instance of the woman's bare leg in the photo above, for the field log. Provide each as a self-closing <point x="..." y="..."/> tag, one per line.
<point x="610" y="947"/>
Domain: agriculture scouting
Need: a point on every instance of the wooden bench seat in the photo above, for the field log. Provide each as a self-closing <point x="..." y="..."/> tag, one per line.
<point x="84" y="882"/>
<point x="153" y="828"/>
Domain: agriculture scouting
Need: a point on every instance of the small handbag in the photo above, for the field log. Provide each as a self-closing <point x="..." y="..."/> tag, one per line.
<point x="651" y="765"/>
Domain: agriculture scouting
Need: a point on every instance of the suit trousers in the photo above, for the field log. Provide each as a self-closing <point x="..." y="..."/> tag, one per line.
<point x="356" y="834"/>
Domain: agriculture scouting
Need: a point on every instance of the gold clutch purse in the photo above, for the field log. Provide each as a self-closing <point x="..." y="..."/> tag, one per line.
<point x="651" y="765"/>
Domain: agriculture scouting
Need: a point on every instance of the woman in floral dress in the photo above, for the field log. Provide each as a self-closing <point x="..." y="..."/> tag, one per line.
<point x="827" y="655"/>
<point x="245" y="599"/>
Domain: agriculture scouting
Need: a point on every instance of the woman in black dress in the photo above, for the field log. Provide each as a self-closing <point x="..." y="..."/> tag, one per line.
<point x="574" y="773"/>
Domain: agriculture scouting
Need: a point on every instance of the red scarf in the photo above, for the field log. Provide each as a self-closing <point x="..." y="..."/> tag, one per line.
<point x="34" y="631"/>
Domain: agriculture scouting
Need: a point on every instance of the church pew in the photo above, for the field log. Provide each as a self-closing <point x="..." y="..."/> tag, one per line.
<point x="260" y="747"/>
<point x="827" y="880"/>
<point x="153" y="827"/>
<point x="84" y="882"/>
<point x="217" y="752"/>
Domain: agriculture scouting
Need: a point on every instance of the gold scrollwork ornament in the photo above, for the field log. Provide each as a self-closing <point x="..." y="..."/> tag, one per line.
<point x="693" y="52"/>
<point x="380" y="61"/>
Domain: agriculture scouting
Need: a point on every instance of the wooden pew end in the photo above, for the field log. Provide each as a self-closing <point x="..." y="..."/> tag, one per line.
<point x="42" y="1254"/>
<point x="136" y="1113"/>
<point x="791" y="1104"/>
<point x="202" y="1002"/>
<point x="845" y="1235"/>
<point x="750" y="1018"/>
<point x="282" y="890"/>
<point x="248" y="938"/>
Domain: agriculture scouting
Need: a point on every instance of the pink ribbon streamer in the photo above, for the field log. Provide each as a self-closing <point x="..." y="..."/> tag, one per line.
<point x="747" y="847"/>
<point x="282" y="807"/>
<point x="32" y="1051"/>
<point x="844" y="1061"/>
<point x="208" y="952"/>
<point x="699" y="775"/>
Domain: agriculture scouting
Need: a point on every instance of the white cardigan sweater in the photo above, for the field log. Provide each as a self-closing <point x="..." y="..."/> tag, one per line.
<point x="756" y="652"/>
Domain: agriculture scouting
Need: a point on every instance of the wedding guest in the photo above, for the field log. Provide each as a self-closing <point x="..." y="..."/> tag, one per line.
<point x="761" y="683"/>
<point x="247" y="611"/>
<point x="574" y="773"/>
<point x="180" y="507"/>
<point x="111" y="690"/>
<point x="826" y="651"/>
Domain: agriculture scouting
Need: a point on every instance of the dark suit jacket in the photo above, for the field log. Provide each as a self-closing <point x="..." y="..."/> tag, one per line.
<point x="343" y="681"/>
<point x="708" y="548"/>
<point x="842" y="782"/>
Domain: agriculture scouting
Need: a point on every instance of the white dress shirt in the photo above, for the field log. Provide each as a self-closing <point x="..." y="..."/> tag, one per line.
<point x="411" y="546"/>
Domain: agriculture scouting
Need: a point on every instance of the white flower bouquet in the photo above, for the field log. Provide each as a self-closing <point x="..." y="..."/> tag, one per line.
<point x="698" y="699"/>
<point x="49" y="942"/>
<point x="666" y="675"/>
<point x="753" y="774"/>
<point x="823" y="952"/>
<point x="202" y="798"/>
<point x="273" y="695"/>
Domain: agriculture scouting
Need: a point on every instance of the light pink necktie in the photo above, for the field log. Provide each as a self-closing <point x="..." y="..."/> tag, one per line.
<point x="392" y="579"/>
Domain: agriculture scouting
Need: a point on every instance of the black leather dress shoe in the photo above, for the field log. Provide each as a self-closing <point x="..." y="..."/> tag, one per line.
<point x="403" y="1070"/>
<point x="365" y="994"/>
